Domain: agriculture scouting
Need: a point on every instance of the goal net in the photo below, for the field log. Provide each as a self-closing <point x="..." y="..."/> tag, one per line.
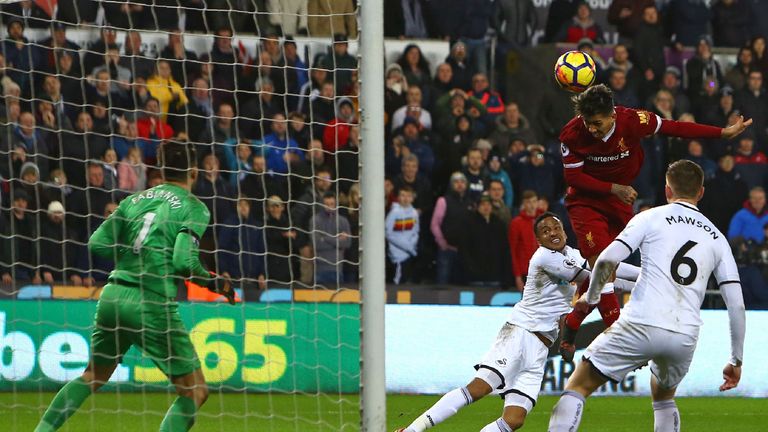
<point x="266" y="92"/>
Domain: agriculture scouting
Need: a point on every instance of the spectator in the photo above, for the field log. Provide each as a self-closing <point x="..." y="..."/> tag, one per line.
<point x="311" y="89"/>
<point x="303" y="209"/>
<point x="331" y="238"/>
<point x="759" y="57"/>
<point x="18" y="54"/>
<point x="623" y="94"/>
<point x="415" y="67"/>
<point x="198" y="113"/>
<point x="522" y="240"/>
<point x="620" y="60"/>
<point x="402" y="232"/>
<point x="405" y="19"/>
<point x="731" y="23"/>
<point x="510" y="126"/>
<point x="166" y="90"/>
<point x="462" y="71"/>
<point x="222" y="138"/>
<point x="497" y="173"/>
<point x="670" y="82"/>
<point x="254" y="112"/>
<point x="395" y="88"/>
<point x="259" y="184"/>
<point x="298" y="130"/>
<point x="648" y="50"/>
<point x="718" y="115"/>
<point x="739" y="74"/>
<point x="664" y="105"/>
<point x="752" y="101"/>
<point x="628" y="17"/>
<point x="241" y="246"/>
<point x="515" y="21"/>
<point x="746" y="152"/>
<point x="87" y="205"/>
<point x="687" y="21"/>
<point x="725" y="194"/>
<point x="474" y="20"/>
<point x="29" y="181"/>
<point x="336" y="134"/>
<point x="58" y="241"/>
<point x="491" y="100"/>
<point x="582" y="26"/>
<point x="56" y="45"/>
<point x="535" y="171"/>
<point x="279" y="236"/>
<point x="696" y="154"/>
<point x="452" y="211"/>
<point x="125" y="15"/>
<point x="352" y="255"/>
<point x="348" y="161"/>
<point x="184" y="63"/>
<point x="748" y="222"/>
<point x="132" y="173"/>
<point x="498" y="198"/>
<point x="213" y="191"/>
<point x="586" y="45"/>
<point x="329" y="17"/>
<point x="226" y="63"/>
<point x="109" y="165"/>
<point x="455" y="104"/>
<point x="559" y="15"/>
<point x="240" y="16"/>
<point x="289" y="17"/>
<point x="94" y="57"/>
<point x="702" y="69"/>
<point x="340" y="62"/>
<point x="279" y="149"/>
<point x="295" y="74"/>
<point x="153" y="128"/>
<point x="418" y="183"/>
<point x="134" y="59"/>
<point x="441" y="84"/>
<point x="410" y="142"/>
<point x="78" y="147"/>
<point x="476" y="174"/>
<point x="483" y="249"/>
<point x="414" y="109"/>
<point x="29" y="140"/>
<point x="51" y="120"/>
<point x="19" y="247"/>
<point x="119" y="77"/>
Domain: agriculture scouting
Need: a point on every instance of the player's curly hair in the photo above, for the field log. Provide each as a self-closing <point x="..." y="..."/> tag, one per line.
<point x="596" y="100"/>
<point x="176" y="159"/>
<point x="540" y="219"/>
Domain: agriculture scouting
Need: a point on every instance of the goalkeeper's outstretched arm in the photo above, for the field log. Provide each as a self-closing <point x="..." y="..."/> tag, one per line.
<point x="186" y="258"/>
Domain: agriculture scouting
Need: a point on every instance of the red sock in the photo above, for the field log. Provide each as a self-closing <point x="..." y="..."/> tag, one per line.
<point x="609" y="308"/>
<point x="574" y="319"/>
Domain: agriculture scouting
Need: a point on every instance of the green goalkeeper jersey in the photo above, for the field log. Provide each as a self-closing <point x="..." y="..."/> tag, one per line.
<point x="153" y="238"/>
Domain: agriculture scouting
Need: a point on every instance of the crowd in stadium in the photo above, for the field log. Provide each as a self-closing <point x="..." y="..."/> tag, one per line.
<point x="277" y="136"/>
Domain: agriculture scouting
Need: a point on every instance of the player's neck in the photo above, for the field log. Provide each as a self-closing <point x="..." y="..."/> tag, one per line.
<point x="184" y="185"/>
<point x="690" y="201"/>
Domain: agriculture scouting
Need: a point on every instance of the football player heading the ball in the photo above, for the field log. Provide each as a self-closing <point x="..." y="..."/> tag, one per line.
<point x="602" y="156"/>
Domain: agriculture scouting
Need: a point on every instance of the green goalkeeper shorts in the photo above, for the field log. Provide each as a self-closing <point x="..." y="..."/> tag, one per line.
<point x="125" y="317"/>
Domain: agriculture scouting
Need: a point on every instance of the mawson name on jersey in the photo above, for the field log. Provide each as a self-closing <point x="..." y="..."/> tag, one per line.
<point x="688" y="220"/>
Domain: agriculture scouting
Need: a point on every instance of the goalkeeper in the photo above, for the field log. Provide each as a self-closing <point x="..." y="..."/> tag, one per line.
<point x="152" y="235"/>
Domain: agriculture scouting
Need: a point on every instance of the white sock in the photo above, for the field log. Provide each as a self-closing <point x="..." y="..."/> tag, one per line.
<point x="447" y="406"/>
<point x="666" y="417"/>
<point x="566" y="415"/>
<point x="498" y="426"/>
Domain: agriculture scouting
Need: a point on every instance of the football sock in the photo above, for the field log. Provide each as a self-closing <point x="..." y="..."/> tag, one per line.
<point x="66" y="402"/>
<point x="566" y="415"/>
<point x="498" y="426"/>
<point x="609" y="308"/>
<point x="574" y="319"/>
<point x="447" y="406"/>
<point x="180" y="416"/>
<point x="666" y="417"/>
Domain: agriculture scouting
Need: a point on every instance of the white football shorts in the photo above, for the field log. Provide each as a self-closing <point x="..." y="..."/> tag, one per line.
<point x="514" y="366"/>
<point x="627" y="346"/>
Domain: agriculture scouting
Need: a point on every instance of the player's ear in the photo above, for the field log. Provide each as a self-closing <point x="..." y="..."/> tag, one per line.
<point x="668" y="192"/>
<point x="701" y="194"/>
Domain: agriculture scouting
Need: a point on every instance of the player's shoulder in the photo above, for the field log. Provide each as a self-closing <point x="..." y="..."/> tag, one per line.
<point x="633" y="117"/>
<point x="571" y="133"/>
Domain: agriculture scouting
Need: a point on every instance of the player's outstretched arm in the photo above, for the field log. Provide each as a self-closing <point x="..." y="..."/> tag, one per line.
<point x="186" y="263"/>
<point x="696" y="130"/>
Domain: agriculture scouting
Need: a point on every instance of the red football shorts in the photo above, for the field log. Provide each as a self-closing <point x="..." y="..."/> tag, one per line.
<point x="596" y="228"/>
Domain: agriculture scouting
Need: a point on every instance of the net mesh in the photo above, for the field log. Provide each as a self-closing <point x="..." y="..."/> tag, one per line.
<point x="266" y="92"/>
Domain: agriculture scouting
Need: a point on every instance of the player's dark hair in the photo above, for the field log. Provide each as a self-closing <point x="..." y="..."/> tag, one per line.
<point x="685" y="178"/>
<point x="541" y="217"/>
<point x="596" y="100"/>
<point x="176" y="159"/>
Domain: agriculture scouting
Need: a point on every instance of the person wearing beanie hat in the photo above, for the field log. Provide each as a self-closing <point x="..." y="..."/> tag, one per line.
<point x="336" y="134"/>
<point x="702" y="68"/>
<point x="449" y="219"/>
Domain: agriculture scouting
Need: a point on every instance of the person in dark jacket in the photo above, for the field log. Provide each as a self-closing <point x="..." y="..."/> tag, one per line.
<point x="448" y="222"/>
<point x="752" y="101"/>
<point x="514" y="21"/>
<point x="241" y="246"/>
<point x="724" y="194"/>
<point x="731" y="23"/>
<point x="406" y="19"/>
<point x="648" y="51"/>
<point x="58" y="238"/>
<point x="484" y="249"/>
<point x="559" y="14"/>
<point x="686" y="21"/>
<point x="259" y="184"/>
<point x="18" y="251"/>
<point x="703" y="70"/>
<point x="213" y="191"/>
<point x="279" y="237"/>
<point x="446" y="16"/>
<point x="627" y="16"/>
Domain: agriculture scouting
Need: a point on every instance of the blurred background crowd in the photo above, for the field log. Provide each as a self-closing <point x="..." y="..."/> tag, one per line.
<point x="469" y="162"/>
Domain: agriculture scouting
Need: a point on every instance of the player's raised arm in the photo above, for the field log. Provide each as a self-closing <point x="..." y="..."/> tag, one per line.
<point x="727" y="276"/>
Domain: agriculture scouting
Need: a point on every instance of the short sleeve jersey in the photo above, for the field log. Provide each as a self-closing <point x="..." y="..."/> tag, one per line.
<point x="146" y="225"/>
<point x="680" y="249"/>
<point x="616" y="158"/>
<point x="548" y="290"/>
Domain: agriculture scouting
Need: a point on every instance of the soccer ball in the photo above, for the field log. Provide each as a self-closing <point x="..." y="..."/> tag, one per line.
<point x="575" y="71"/>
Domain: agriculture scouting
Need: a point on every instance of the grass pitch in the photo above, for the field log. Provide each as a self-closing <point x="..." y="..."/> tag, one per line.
<point x="238" y="412"/>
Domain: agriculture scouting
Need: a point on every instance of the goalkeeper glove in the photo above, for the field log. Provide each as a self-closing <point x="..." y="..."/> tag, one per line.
<point x="223" y="286"/>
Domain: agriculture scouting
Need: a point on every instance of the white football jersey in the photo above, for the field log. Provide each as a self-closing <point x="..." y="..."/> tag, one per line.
<point x="548" y="290"/>
<point x="680" y="248"/>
